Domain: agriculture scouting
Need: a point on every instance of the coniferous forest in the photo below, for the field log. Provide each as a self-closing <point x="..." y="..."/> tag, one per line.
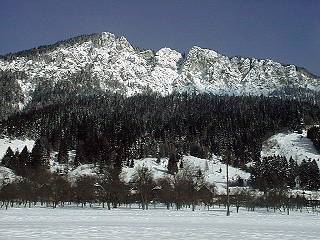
<point x="110" y="130"/>
<point x="151" y="125"/>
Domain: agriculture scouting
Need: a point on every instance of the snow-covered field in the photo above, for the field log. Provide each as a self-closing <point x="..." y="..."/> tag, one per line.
<point x="71" y="223"/>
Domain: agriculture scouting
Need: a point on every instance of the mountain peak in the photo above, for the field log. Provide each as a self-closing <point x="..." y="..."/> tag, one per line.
<point x="107" y="62"/>
<point x="168" y="58"/>
<point x="204" y="51"/>
<point x="107" y="35"/>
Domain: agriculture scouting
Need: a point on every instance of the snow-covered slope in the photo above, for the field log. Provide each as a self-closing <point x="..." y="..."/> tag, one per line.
<point x="110" y="63"/>
<point x="213" y="170"/>
<point x="15" y="144"/>
<point x="83" y="170"/>
<point x="6" y="176"/>
<point x="295" y="145"/>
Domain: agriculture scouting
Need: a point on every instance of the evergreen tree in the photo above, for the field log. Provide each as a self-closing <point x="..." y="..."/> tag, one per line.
<point x="181" y="164"/>
<point x="39" y="156"/>
<point x="206" y="168"/>
<point x="199" y="177"/>
<point x="314" y="176"/>
<point x="172" y="164"/>
<point x="8" y="159"/>
<point x="80" y="157"/>
<point x="63" y="156"/>
<point x="24" y="157"/>
<point x="16" y="166"/>
<point x="131" y="163"/>
<point x="293" y="172"/>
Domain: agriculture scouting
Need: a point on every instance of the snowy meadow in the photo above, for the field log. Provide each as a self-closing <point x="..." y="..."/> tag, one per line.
<point x="124" y="223"/>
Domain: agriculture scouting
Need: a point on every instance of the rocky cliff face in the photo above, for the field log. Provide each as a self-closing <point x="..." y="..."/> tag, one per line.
<point x="109" y="63"/>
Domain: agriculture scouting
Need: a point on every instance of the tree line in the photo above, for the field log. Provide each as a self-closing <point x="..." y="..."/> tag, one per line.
<point x="313" y="133"/>
<point x="26" y="163"/>
<point x="186" y="189"/>
<point x="279" y="173"/>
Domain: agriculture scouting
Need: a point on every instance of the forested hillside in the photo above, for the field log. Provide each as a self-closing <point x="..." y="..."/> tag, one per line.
<point x="103" y="128"/>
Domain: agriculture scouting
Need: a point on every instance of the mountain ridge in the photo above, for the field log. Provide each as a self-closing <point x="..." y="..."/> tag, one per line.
<point x="104" y="61"/>
<point x="51" y="46"/>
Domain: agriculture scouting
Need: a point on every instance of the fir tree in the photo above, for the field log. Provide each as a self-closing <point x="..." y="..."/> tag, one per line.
<point x="39" y="156"/>
<point x="63" y="156"/>
<point x="172" y="164"/>
<point x="131" y="163"/>
<point x="24" y="157"/>
<point x="8" y="158"/>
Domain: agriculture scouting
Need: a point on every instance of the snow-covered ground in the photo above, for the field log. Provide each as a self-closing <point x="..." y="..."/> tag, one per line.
<point x="294" y="145"/>
<point x="81" y="171"/>
<point x="71" y="223"/>
<point x="213" y="170"/>
<point x="6" y="176"/>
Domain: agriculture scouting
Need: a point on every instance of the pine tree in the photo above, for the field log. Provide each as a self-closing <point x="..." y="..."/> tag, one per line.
<point x="23" y="161"/>
<point x="199" y="177"/>
<point x="304" y="174"/>
<point x="16" y="166"/>
<point x="206" y="168"/>
<point x="39" y="156"/>
<point x="63" y="155"/>
<point x="131" y="163"/>
<point x="181" y="164"/>
<point x="8" y="158"/>
<point x="293" y="172"/>
<point x="80" y="157"/>
<point x="314" y="175"/>
<point x="172" y="164"/>
<point x="24" y="157"/>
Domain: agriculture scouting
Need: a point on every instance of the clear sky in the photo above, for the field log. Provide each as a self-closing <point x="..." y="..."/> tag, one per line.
<point x="284" y="30"/>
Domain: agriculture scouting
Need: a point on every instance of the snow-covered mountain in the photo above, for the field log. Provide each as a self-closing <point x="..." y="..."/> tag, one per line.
<point x="110" y="63"/>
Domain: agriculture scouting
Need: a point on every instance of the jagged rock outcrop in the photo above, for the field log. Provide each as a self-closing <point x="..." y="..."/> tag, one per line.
<point x="105" y="62"/>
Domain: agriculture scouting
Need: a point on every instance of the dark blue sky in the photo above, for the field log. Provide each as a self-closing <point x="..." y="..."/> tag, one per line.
<point x="287" y="31"/>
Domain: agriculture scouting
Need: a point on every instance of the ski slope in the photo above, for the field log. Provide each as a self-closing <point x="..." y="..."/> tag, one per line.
<point x="86" y="224"/>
